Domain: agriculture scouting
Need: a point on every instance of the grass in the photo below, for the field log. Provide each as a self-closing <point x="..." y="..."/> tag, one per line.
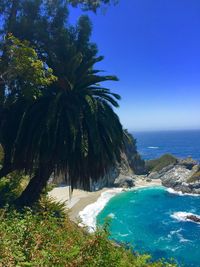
<point x="160" y="163"/>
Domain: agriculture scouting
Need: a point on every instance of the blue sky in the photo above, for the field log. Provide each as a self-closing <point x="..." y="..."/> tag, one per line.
<point x="153" y="46"/>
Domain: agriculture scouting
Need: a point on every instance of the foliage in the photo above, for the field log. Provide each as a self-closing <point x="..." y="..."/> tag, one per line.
<point x="90" y="4"/>
<point x="40" y="239"/>
<point x="48" y="205"/>
<point x="69" y="126"/>
<point x="22" y="73"/>
<point x="195" y="177"/>
<point x="160" y="163"/>
<point x="11" y="187"/>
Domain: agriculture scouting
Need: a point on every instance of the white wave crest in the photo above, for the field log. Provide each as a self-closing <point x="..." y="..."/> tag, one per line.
<point x="172" y="191"/>
<point x="153" y="147"/>
<point x="90" y="212"/>
<point x="179" y="235"/>
<point x="123" y="235"/>
<point x="112" y="215"/>
<point x="183" y="216"/>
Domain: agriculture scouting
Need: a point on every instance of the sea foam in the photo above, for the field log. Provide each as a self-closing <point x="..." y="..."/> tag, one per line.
<point x="182" y="216"/>
<point x="172" y="191"/>
<point x="90" y="212"/>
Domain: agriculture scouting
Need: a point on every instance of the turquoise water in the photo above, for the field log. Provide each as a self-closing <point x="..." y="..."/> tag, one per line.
<point x="143" y="219"/>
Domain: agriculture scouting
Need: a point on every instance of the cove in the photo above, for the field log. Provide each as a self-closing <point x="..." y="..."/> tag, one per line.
<point x="147" y="220"/>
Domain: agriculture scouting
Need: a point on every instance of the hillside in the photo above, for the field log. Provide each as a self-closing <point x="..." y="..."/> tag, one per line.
<point x="43" y="239"/>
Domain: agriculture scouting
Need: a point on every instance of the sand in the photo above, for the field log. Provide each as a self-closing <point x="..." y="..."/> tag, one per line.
<point x="80" y="199"/>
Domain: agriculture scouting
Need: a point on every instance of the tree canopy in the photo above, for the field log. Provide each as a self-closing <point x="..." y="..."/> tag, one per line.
<point x="55" y="114"/>
<point x="91" y="4"/>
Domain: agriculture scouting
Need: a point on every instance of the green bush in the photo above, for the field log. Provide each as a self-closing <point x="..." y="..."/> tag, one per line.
<point x="41" y="239"/>
<point x="160" y="163"/>
<point x="48" y="205"/>
<point x="11" y="187"/>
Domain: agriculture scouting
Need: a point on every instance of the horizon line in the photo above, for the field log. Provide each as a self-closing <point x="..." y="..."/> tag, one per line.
<point x="165" y="130"/>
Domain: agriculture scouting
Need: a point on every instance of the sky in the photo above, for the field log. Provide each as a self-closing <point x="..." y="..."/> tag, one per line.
<point x="153" y="46"/>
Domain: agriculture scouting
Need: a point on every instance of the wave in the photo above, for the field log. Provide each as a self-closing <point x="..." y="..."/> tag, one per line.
<point x="90" y="212"/>
<point x="179" y="235"/>
<point x="183" y="216"/>
<point x="123" y="235"/>
<point x="153" y="147"/>
<point x="112" y="216"/>
<point x="172" y="191"/>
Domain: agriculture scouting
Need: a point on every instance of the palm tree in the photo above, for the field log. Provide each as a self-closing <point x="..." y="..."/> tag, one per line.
<point x="72" y="129"/>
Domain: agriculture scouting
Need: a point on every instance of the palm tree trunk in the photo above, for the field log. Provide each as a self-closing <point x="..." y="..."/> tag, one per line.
<point x="35" y="187"/>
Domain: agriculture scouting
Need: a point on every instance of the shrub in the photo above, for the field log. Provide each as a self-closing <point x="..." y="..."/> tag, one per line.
<point x="48" y="205"/>
<point x="11" y="187"/>
<point x="160" y="163"/>
<point x="41" y="239"/>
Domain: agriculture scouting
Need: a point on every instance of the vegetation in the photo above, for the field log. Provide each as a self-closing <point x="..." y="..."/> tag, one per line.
<point x="11" y="187"/>
<point x="55" y="114"/>
<point x="55" y="117"/>
<point x="92" y="5"/>
<point x="43" y="239"/>
<point x="160" y="163"/>
<point x="195" y="177"/>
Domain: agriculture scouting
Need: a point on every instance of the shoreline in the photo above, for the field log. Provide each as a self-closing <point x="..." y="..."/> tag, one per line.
<point x="82" y="201"/>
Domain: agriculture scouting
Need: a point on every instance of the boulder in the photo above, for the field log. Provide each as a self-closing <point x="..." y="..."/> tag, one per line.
<point x="124" y="181"/>
<point x="193" y="218"/>
<point x="179" y="178"/>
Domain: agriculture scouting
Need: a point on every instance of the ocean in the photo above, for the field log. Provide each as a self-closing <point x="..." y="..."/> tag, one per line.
<point x="181" y="144"/>
<point x="150" y="219"/>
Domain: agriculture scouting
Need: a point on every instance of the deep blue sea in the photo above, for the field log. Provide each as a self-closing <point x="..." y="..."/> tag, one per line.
<point x="148" y="219"/>
<point x="179" y="143"/>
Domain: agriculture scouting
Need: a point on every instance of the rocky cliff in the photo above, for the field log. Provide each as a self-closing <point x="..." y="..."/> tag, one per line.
<point x="122" y="175"/>
<point x="182" y="175"/>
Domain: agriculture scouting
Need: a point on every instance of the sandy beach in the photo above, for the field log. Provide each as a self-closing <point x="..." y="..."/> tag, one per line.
<point x="81" y="199"/>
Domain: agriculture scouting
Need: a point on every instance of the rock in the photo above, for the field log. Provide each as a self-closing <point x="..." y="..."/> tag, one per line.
<point x="106" y="181"/>
<point x="124" y="181"/>
<point x="193" y="218"/>
<point x="161" y="173"/>
<point x="154" y="175"/>
<point x="179" y="176"/>
<point x="189" y="163"/>
<point x="149" y="180"/>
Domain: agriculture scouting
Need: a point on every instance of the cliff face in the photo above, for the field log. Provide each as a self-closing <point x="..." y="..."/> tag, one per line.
<point x="122" y="174"/>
